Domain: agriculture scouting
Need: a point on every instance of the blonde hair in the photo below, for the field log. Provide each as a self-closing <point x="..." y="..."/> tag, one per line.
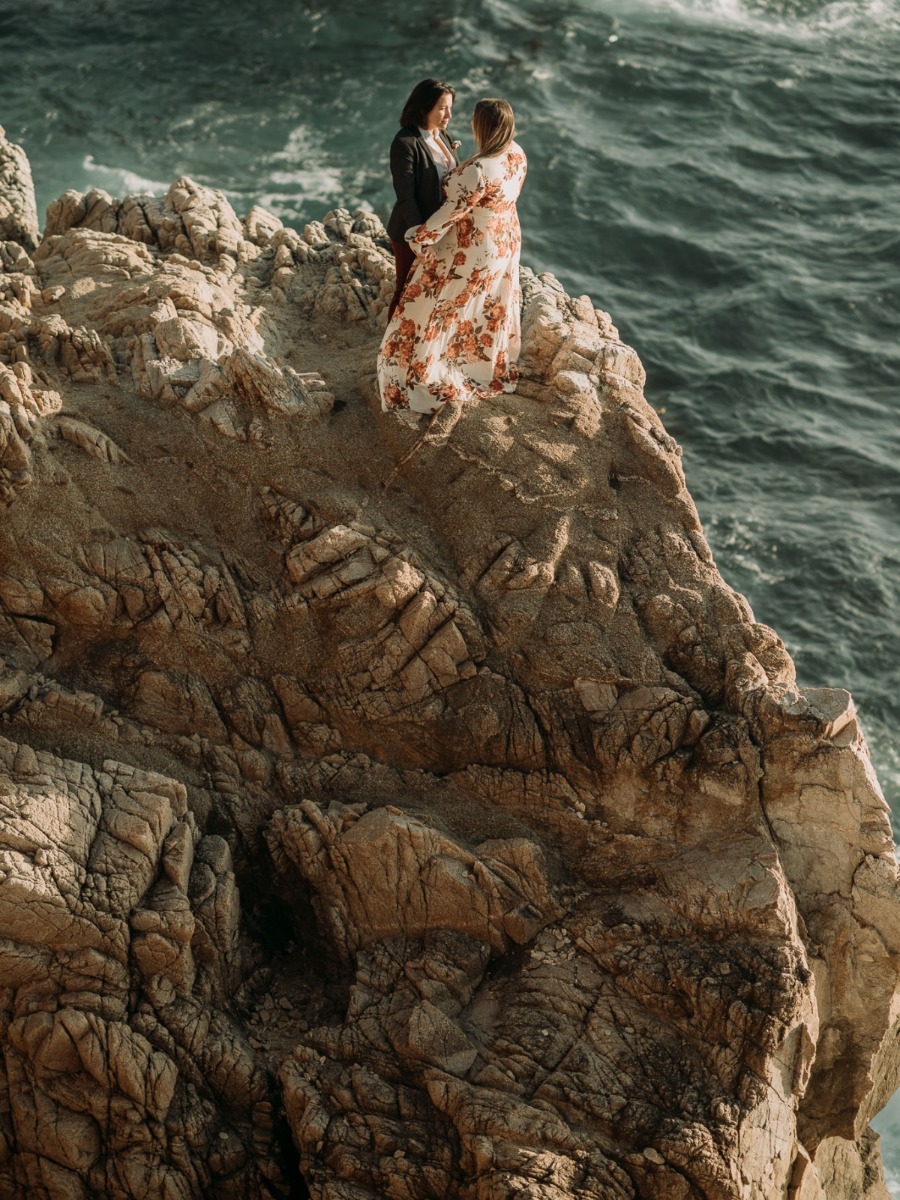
<point x="494" y="127"/>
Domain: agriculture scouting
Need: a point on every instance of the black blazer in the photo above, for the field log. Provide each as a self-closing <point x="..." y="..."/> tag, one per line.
<point x="416" y="181"/>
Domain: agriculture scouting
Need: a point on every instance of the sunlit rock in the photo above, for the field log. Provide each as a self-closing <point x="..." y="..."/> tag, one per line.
<point x="396" y="812"/>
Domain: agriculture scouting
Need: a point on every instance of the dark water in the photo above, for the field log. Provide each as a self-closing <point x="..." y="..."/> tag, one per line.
<point x="722" y="175"/>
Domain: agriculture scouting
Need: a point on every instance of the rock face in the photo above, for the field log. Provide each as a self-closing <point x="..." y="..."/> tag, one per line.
<point x="18" y="211"/>
<point x="389" y="812"/>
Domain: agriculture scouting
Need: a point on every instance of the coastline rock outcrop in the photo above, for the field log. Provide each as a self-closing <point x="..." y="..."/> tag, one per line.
<point x="18" y="209"/>
<point x="391" y="812"/>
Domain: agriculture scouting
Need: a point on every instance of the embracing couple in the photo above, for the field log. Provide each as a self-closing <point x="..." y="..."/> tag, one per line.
<point x="453" y="323"/>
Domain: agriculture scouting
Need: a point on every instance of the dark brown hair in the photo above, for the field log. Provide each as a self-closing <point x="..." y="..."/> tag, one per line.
<point x="422" y="100"/>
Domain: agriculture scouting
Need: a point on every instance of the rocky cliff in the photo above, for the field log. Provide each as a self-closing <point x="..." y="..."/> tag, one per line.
<point x="395" y="813"/>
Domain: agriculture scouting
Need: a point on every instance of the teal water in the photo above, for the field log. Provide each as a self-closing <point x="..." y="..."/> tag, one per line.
<point x="723" y="176"/>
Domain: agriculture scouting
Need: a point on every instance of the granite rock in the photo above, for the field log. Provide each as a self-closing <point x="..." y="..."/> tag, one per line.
<point x="18" y="210"/>
<point x="388" y="811"/>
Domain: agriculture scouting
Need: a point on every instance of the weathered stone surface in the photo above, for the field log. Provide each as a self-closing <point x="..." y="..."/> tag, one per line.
<point x="393" y="813"/>
<point x="118" y="956"/>
<point x="18" y="211"/>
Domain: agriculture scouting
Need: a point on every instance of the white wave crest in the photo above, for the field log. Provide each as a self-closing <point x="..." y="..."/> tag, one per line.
<point x="119" y="181"/>
<point x="801" y="18"/>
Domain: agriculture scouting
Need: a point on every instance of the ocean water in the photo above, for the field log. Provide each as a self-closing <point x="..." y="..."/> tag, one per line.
<point x="723" y="176"/>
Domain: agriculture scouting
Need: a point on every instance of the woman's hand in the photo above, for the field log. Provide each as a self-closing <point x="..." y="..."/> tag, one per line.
<point x="420" y="249"/>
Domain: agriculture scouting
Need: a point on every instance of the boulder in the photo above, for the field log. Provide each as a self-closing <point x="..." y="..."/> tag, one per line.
<point x="18" y="210"/>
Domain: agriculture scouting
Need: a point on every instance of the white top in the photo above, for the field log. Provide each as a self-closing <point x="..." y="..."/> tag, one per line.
<point x="439" y="151"/>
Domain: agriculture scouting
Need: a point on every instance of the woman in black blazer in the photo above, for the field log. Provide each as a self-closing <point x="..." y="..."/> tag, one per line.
<point x="421" y="155"/>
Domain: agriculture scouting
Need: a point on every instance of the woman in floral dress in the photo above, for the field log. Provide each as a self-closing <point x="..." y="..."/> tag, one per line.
<point x="455" y="331"/>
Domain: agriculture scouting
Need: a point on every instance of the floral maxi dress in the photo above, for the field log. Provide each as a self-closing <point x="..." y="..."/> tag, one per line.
<point x="455" y="331"/>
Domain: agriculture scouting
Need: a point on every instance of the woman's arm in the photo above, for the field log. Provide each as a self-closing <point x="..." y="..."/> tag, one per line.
<point x="464" y="189"/>
<point x="403" y="173"/>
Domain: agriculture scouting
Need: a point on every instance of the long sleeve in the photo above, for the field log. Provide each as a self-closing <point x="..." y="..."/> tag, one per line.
<point x="464" y="189"/>
<point x="403" y="173"/>
<point x="456" y="331"/>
